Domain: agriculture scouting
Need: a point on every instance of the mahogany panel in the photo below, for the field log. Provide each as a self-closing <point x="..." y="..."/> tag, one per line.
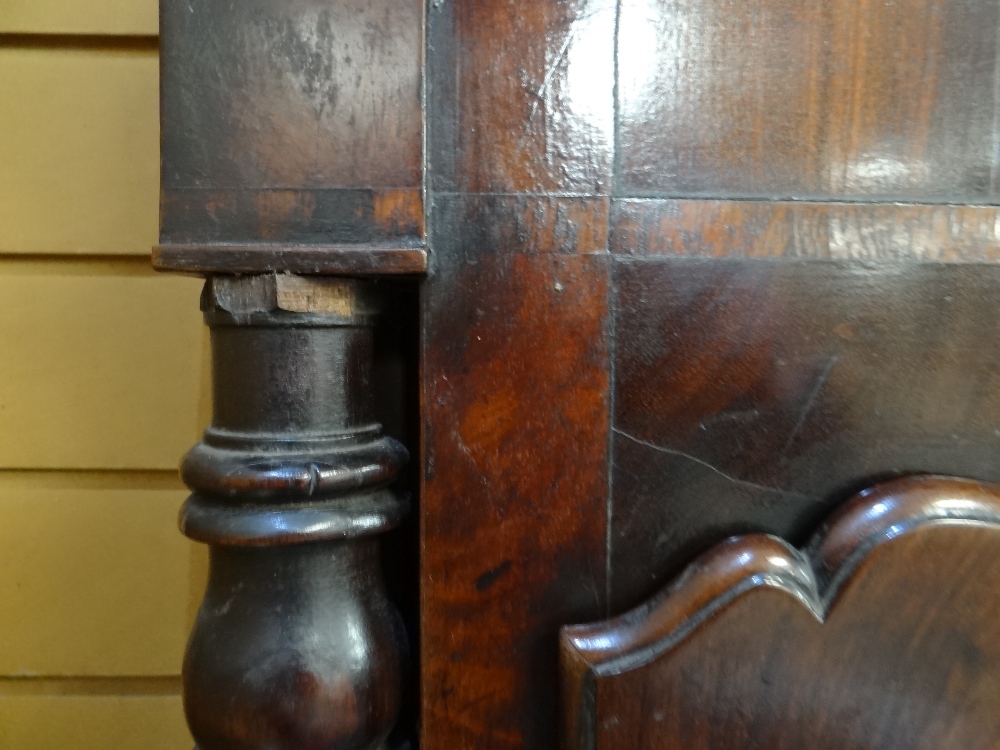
<point x="515" y="410"/>
<point x="298" y="121"/>
<point x="796" y="229"/>
<point x="833" y="98"/>
<point x="520" y="95"/>
<point x="882" y="632"/>
<point x="750" y="395"/>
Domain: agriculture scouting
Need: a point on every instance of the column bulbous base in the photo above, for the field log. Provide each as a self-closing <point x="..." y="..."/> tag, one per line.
<point x="296" y="645"/>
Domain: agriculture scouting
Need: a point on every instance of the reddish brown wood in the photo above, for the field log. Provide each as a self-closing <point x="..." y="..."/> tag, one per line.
<point x="292" y="141"/>
<point x="515" y="372"/>
<point x="751" y="396"/>
<point x="882" y="632"/>
<point x="291" y="122"/>
<point x="521" y="95"/>
<point x="469" y="225"/>
<point x="515" y="420"/>
<point x="348" y="260"/>
<point x="798" y="230"/>
<point x="834" y="98"/>
<point x="291" y="216"/>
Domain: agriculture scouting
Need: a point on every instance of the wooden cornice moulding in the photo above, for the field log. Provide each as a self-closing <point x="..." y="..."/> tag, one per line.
<point x="893" y="601"/>
<point x="341" y="259"/>
<point x="291" y="137"/>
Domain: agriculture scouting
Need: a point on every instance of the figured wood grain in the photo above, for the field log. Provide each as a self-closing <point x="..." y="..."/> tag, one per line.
<point x="882" y="232"/>
<point x="749" y="395"/>
<point x="307" y="127"/>
<point x="746" y="397"/>
<point x="848" y="99"/>
<point x="470" y="225"/>
<point x="515" y="359"/>
<point x="521" y="95"/>
<point x="881" y="632"/>
<point x="514" y="486"/>
<point x="290" y="216"/>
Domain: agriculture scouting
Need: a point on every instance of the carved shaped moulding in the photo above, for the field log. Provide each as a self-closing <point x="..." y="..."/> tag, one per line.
<point x="883" y="632"/>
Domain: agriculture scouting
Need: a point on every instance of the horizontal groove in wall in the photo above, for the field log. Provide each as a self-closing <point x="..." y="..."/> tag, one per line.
<point x="90" y="686"/>
<point x="90" y="479"/>
<point x="37" y="264"/>
<point x="103" y="42"/>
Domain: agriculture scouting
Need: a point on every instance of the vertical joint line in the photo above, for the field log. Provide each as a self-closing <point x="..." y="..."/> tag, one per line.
<point x="609" y="502"/>
<point x="995" y="164"/>
<point x="616" y="107"/>
<point x="611" y="327"/>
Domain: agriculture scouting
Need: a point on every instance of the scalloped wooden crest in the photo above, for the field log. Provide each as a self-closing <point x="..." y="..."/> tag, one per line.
<point x="740" y="566"/>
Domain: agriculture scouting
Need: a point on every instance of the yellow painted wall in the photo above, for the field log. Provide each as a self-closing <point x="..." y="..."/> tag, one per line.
<point x="103" y="385"/>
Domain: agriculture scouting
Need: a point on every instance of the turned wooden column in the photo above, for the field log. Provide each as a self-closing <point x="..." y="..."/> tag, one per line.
<point x="292" y="135"/>
<point x="296" y="645"/>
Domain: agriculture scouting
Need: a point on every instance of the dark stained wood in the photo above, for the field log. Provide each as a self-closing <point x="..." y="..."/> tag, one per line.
<point x="291" y="216"/>
<point x="751" y="395"/>
<point x="521" y="95"/>
<point x="574" y="275"/>
<point x="514" y="486"/>
<point x="291" y="122"/>
<point x="515" y="359"/>
<point x="819" y="377"/>
<point x="469" y="225"/>
<point x="833" y="98"/>
<point x="295" y="644"/>
<point x="292" y="141"/>
<point x="882" y="633"/>
<point x="348" y="260"/>
<point x="291" y="95"/>
<point x="795" y="229"/>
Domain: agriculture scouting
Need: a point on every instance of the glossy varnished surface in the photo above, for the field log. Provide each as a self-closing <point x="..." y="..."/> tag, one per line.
<point x="810" y="377"/>
<point x="856" y="99"/>
<point x="516" y="369"/>
<point x="261" y="671"/>
<point x="880" y="633"/>
<point x="291" y="122"/>
<point x="749" y="395"/>
<point x="879" y="232"/>
<point x="520" y="96"/>
<point x="515" y="418"/>
<point x="614" y="374"/>
<point x="296" y="644"/>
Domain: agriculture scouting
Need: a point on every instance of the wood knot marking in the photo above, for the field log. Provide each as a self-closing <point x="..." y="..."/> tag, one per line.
<point x="491" y="576"/>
